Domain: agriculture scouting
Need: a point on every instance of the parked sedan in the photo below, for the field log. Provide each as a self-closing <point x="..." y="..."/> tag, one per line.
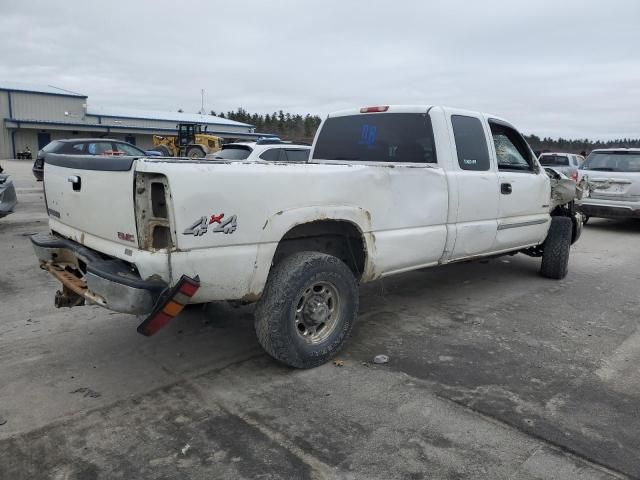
<point x="8" y="198"/>
<point x="86" y="146"/>
<point x="614" y="180"/>
<point x="567" y="163"/>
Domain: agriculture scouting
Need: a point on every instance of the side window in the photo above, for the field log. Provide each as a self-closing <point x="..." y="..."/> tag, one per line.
<point x="512" y="150"/>
<point x="271" y="155"/>
<point x="124" y="149"/>
<point x="75" y="149"/>
<point x="300" y="156"/>
<point x="471" y="143"/>
<point x="100" y="148"/>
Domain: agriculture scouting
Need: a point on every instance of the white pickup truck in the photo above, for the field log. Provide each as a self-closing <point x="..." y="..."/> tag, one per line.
<point x="386" y="190"/>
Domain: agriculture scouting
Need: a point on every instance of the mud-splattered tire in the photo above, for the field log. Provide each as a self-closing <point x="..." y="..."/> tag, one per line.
<point x="303" y="290"/>
<point x="555" y="257"/>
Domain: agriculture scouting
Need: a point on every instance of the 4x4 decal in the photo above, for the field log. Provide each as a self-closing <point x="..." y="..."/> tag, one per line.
<point x="221" y="225"/>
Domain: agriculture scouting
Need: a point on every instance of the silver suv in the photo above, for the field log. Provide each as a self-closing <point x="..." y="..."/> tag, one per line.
<point x="263" y="150"/>
<point x="614" y="177"/>
<point x="567" y="163"/>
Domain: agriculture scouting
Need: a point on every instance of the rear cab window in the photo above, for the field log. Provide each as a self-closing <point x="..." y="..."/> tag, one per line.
<point x="547" y="160"/>
<point x="377" y="137"/>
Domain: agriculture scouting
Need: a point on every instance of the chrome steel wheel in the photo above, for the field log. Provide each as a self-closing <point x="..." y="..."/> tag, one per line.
<point x="317" y="312"/>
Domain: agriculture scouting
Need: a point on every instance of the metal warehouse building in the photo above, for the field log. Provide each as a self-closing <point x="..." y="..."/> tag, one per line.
<point x="32" y="116"/>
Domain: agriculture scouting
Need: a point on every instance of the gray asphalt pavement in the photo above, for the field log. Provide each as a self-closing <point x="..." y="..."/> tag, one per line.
<point x="494" y="372"/>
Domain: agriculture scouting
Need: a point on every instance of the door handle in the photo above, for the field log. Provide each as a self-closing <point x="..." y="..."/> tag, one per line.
<point x="75" y="181"/>
<point x="506" y="188"/>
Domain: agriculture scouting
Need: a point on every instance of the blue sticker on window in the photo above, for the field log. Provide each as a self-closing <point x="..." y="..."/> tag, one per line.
<point x="368" y="136"/>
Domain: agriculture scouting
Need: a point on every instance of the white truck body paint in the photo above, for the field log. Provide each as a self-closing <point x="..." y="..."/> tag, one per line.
<point x="410" y="215"/>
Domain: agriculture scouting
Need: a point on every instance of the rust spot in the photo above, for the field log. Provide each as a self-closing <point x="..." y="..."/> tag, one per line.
<point x="251" y="297"/>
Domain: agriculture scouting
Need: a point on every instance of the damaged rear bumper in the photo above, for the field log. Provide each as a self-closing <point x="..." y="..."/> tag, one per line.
<point x="101" y="280"/>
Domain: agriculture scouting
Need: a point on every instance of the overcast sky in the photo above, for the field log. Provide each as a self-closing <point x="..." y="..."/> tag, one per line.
<point x="554" y="68"/>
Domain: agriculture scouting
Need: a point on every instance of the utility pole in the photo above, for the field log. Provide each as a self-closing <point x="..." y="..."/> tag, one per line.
<point x="202" y="102"/>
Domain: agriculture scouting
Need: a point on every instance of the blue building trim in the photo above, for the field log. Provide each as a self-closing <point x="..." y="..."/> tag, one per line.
<point x="13" y="144"/>
<point x="237" y="124"/>
<point x="109" y="128"/>
<point x="10" y="104"/>
<point x="13" y="134"/>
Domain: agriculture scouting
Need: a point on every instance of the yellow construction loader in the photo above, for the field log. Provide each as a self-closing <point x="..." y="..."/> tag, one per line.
<point x="192" y="141"/>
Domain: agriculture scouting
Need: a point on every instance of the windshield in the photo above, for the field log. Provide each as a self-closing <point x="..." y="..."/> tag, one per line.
<point x="613" y="161"/>
<point x="235" y="152"/>
<point x="554" y="160"/>
<point x="387" y="137"/>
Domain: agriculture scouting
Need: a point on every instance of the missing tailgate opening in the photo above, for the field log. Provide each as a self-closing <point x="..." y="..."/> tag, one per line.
<point x="158" y="200"/>
<point x="161" y="237"/>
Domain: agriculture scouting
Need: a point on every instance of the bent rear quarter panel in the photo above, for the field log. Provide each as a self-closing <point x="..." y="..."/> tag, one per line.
<point x="400" y="210"/>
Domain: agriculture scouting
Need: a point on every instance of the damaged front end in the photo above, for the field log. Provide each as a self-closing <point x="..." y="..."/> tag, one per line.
<point x="564" y="193"/>
<point x="565" y="190"/>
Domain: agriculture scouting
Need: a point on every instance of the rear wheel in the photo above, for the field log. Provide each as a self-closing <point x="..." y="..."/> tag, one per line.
<point x="555" y="256"/>
<point x="307" y="309"/>
<point x="195" y="152"/>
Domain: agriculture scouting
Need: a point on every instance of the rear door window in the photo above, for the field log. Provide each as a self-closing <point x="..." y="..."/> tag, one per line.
<point x="73" y="148"/>
<point x="271" y="155"/>
<point x="100" y="148"/>
<point x="294" y="155"/>
<point x="377" y="137"/>
<point x="126" y="149"/>
<point x="471" y="143"/>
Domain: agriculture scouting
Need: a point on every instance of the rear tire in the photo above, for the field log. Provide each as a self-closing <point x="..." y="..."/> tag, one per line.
<point x="555" y="257"/>
<point x="307" y="309"/>
<point x="195" y="152"/>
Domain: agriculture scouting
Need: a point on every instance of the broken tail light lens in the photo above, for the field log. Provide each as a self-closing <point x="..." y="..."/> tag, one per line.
<point x="173" y="303"/>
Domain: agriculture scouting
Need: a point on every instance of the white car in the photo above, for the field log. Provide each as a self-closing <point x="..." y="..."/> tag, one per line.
<point x="263" y="150"/>
<point x="567" y="163"/>
<point x="614" y="179"/>
<point x="388" y="189"/>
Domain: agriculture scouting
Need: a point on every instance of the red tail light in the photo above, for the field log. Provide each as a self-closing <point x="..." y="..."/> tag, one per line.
<point x="172" y="305"/>
<point x="383" y="108"/>
<point x="574" y="177"/>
